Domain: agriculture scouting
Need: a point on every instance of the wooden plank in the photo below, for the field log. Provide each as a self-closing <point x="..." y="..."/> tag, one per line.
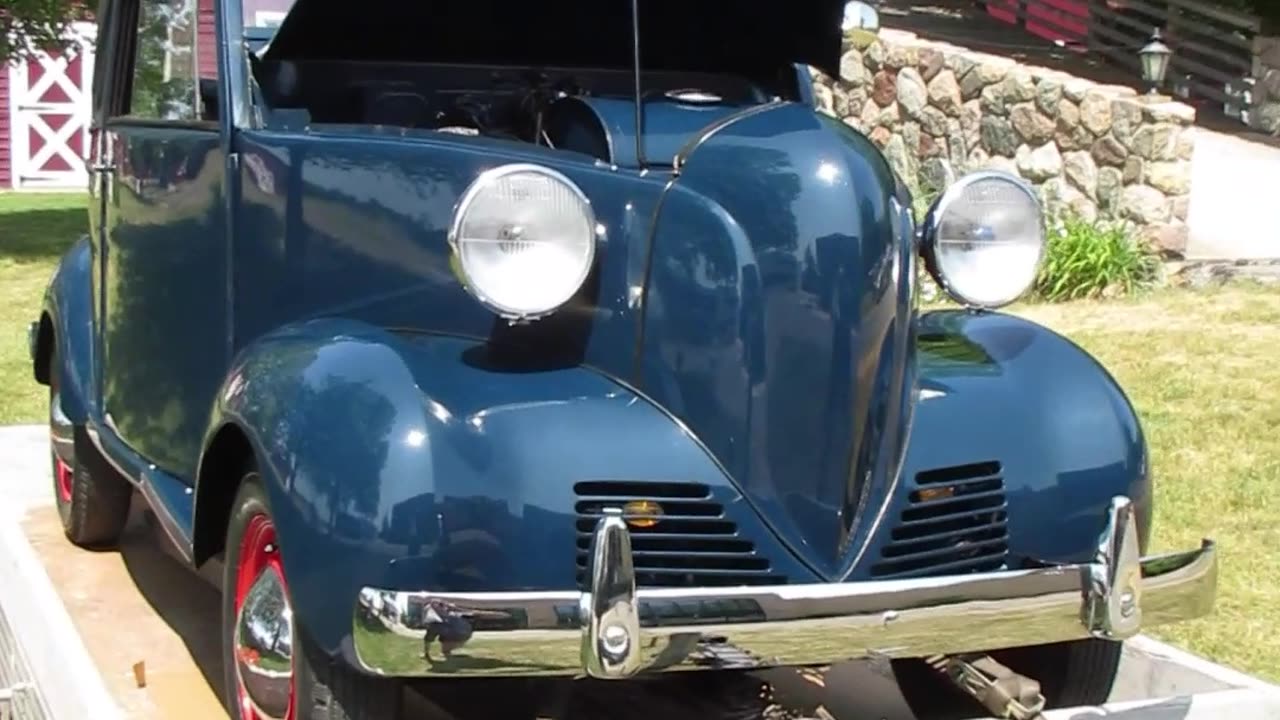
<point x="1195" y="68"/>
<point x="1205" y="90"/>
<point x="1057" y="19"/>
<point x="1122" y="56"/>
<point x="1242" y="61"/>
<point x="1127" y="58"/>
<point x="1248" y="23"/>
<point x="1153" y="12"/>
<point x="1003" y="10"/>
<point x="1049" y="23"/>
<point x="206" y="40"/>
<point x="1143" y="33"/>
<point x="1129" y="42"/>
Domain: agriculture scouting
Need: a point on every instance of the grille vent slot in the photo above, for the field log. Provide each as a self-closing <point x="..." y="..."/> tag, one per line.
<point x="693" y="544"/>
<point x="956" y="522"/>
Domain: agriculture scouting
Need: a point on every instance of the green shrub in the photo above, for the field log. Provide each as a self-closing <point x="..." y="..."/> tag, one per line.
<point x="922" y="198"/>
<point x="1086" y="259"/>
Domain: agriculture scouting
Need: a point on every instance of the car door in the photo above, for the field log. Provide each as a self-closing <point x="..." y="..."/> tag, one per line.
<point x="100" y="167"/>
<point x="165" y="322"/>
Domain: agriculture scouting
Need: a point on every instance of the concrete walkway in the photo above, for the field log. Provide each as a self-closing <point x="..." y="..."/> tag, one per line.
<point x="1235" y="199"/>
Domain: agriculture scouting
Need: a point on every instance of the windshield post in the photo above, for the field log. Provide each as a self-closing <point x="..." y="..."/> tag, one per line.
<point x="635" y="61"/>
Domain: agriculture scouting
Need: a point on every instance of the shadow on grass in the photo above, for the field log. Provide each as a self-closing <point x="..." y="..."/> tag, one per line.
<point x="40" y="234"/>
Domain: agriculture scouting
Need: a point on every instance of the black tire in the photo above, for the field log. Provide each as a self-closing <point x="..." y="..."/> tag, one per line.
<point x="1071" y="674"/>
<point x="324" y="688"/>
<point x="96" y="509"/>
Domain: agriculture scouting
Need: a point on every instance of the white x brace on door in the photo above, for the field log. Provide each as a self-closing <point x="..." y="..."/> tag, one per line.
<point x="50" y="108"/>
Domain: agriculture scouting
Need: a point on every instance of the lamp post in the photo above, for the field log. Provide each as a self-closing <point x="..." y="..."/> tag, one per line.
<point x="1155" y="61"/>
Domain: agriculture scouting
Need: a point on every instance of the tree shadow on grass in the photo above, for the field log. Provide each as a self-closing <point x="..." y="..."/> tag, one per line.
<point x="41" y="234"/>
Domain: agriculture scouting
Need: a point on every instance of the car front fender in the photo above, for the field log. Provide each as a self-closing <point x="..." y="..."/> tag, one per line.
<point x="409" y="461"/>
<point x="998" y="388"/>
<point x="67" y="324"/>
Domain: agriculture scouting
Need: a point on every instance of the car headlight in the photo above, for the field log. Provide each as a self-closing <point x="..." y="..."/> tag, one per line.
<point x="524" y="239"/>
<point x="984" y="238"/>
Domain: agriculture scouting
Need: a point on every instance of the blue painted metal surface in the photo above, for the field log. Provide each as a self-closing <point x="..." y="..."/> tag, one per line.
<point x="749" y="325"/>
<point x="668" y="125"/>
<point x="165" y="323"/>
<point x="354" y="224"/>
<point x="169" y="497"/>
<point x="409" y="461"/>
<point x="68" y="304"/>
<point x="999" y="388"/>
<point x="779" y="320"/>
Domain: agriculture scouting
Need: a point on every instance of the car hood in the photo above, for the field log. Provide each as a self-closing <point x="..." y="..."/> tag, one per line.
<point x="778" y="322"/>
<point x="750" y="38"/>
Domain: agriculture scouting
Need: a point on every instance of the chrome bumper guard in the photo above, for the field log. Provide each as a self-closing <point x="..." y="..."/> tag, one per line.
<point x="615" y="631"/>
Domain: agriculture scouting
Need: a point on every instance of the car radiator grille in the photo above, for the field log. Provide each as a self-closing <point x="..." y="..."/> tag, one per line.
<point x="692" y="544"/>
<point x="955" y="523"/>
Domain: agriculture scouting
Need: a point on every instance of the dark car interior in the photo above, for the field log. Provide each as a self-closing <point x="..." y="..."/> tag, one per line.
<point x="516" y="71"/>
<point x="521" y="103"/>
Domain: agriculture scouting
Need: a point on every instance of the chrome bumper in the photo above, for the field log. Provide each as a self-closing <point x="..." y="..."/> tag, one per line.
<point x="615" y="631"/>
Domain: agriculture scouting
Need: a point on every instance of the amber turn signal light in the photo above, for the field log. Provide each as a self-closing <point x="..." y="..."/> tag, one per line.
<point x="641" y="513"/>
<point x="936" y="493"/>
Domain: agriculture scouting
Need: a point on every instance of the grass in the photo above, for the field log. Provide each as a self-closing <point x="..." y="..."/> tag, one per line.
<point x="1200" y="367"/>
<point x="35" y="230"/>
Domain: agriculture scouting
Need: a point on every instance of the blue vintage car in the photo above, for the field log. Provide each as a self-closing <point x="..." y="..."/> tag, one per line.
<point x="543" y="341"/>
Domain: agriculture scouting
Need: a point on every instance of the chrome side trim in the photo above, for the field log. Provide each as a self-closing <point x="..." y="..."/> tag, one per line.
<point x="143" y="484"/>
<point x="682" y="157"/>
<point x="568" y="633"/>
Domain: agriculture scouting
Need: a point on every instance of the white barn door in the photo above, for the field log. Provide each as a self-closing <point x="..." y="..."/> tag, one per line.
<point x="50" y="109"/>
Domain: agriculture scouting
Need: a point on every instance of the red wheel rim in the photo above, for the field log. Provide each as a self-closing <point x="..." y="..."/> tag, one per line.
<point x="65" y="477"/>
<point x="258" y="553"/>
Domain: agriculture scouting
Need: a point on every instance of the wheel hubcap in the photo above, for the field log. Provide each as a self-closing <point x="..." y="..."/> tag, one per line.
<point x="263" y="638"/>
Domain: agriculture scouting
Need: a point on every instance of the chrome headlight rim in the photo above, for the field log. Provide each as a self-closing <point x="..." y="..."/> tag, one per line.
<point x="482" y="182"/>
<point x="929" y="234"/>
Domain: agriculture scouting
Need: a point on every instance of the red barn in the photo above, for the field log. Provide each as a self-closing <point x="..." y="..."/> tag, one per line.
<point x="44" y="117"/>
<point x="45" y="104"/>
<point x="1056" y="20"/>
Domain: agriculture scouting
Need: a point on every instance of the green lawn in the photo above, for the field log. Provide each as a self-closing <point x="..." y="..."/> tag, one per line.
<point x="1202" y="368"/>
<point x="34" y="232"/>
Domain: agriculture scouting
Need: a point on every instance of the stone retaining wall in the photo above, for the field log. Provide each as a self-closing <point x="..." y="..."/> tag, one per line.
<point x="1265" y="113"/>
<point x="938" y="111"/>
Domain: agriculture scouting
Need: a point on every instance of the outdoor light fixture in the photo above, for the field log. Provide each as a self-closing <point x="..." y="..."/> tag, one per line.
<point x="1155" y="61"/>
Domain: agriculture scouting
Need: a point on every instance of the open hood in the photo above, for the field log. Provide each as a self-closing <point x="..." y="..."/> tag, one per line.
<point x="748" y="37"/>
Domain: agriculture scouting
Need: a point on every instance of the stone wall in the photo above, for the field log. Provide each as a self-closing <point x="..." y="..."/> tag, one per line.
<point x="1265" y="112"/>
<point x="938" y="111"/>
